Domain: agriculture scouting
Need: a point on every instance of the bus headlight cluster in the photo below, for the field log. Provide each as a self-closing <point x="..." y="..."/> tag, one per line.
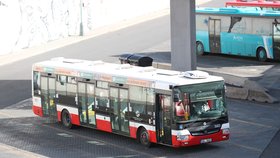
<point x="182" y="137"/>
<point x="226" y="131"/>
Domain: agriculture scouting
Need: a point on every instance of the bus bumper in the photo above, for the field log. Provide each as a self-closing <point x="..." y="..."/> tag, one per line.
<point x="196" y="140"/>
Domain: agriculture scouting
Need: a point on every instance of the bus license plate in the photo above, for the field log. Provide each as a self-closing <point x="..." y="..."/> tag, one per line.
<point x="208" y="140"/>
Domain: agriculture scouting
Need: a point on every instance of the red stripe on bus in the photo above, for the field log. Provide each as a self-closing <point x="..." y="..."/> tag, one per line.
<point x="37" y="110"/>
<point x="133" y="132"/>
<point x="103" y="125"/>
<point x="196" y="140"/>
<point x="59" y="116"/>
<point x="153" y="136"/>
<point x="75" y="119"/>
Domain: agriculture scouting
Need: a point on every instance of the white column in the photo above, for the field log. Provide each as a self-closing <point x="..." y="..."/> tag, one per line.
<point x="182" y="14"/>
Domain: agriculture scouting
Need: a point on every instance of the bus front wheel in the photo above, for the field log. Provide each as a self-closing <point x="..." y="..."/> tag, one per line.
<point x="199" y="48"/>
<point x="261" y="54"/>
<point x="144" y="138"/>
<point x="66" y="119"/>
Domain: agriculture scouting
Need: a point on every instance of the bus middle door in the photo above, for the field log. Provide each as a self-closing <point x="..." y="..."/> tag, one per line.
<point x="163" y="117"/>
<point x="214" y="35"/>
<point x="119" y="105"/>
<point x="86" y="104"/>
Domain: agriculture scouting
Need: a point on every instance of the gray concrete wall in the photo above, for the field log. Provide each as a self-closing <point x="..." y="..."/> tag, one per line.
<point x="28" y="23"/>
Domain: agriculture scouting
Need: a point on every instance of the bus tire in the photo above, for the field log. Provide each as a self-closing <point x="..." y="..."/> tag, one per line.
<point x="199" y="48"/>
<point x="143" y="137"/>
<point x="261" y="54"/>
<point x="66" y="119"/>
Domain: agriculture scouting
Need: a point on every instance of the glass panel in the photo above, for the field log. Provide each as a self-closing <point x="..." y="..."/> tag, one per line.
<point x="91" y="100"/>
<point x="150" y="101"/>
<point x="36" y="83"/>
<point x="44" y="82"/>
<point x="211" y="27"/>
<point x="217" y="27"/>
<point x="138" y="99"/>
<point x="203" y="101"/>
<point x="102" y="84"/>
<point x="82" y="102"/>
<point x="44" y="88"/>
<point x="114" y="106"/>
<point x="61" y="87"/>
<point x="53" y="111"/>
<point x="71" y="80"/>
<point x="102" y="97"/>
<point x="71" y="89"/>
<point x="123" y="110"/>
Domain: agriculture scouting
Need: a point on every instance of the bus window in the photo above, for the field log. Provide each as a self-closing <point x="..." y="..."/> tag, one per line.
<point x="36" y="83"/>
<point x="66" y="88"/>
<point x="138" y="98"/>
<point x="150" y="101"/>
<point x="61" y="85"/>
<point x="233" y="21"/>
<point x="71" y="86"/>
<point x="102" y="94"/>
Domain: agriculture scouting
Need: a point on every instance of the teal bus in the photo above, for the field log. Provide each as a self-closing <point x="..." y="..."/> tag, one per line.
<point x="238" y="31"/>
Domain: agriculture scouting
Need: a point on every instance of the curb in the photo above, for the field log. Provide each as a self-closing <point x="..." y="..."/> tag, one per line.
<point x="238" y="87"/>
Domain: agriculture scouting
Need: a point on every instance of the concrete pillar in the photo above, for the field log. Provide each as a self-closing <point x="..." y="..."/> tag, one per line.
<point x="182" y="14"/>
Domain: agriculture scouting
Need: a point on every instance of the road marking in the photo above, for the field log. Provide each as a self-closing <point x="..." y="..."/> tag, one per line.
<point x="253" y="123"/>
<point x="95" y="139"/>
<point x="65" y="135"/>
<point x="95" y="142"/>
<point x="246" y="147"/>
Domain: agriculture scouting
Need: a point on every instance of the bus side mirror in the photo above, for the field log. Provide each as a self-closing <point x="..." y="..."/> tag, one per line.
<point x="176" y="97"/>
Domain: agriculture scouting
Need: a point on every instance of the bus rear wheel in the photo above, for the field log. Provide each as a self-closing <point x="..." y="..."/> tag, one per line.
<point x="261" y="54"/>
<point x="199" y="48"/>
<point x="144" y="138"/>
<point x="66" y="119"/>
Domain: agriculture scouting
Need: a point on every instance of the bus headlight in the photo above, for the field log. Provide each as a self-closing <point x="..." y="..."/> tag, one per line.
<point x="226" y="131"/>
<point x="182" y="137"/>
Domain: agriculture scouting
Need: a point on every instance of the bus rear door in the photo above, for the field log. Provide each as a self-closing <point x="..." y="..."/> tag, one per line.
<point x="48" y="96"/>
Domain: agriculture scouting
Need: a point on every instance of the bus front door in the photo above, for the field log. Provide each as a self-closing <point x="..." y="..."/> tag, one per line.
<point x="48" y="96"/>
<point x="86" y="104"/>
<point x="276" y="41"/>
<point x="119" y="104"/>
<point x="163" y="117"/>
<point x="214" y="35"/>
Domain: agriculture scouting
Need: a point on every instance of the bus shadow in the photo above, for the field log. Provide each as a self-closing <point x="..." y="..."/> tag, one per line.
<point x="122" y="142"/>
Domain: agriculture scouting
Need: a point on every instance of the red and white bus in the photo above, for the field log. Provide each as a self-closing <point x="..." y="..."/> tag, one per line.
<point x="151" y="105"/>
<point x="262" y="4"/>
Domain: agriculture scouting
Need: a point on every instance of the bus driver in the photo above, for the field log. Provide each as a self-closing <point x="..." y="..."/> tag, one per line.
<point x="183" y="108"/>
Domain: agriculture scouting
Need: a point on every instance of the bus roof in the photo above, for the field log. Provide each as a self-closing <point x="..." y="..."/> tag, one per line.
<point x="120" y="73"/>
<point x="239" y="11"/>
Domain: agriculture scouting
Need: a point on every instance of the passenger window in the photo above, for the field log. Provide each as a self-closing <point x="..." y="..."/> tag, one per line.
<point x="138" y="99"/>
<point x="102" y="94"/>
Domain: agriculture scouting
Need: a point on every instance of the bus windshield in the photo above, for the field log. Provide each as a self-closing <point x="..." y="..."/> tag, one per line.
<point x="200" y="102"/>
